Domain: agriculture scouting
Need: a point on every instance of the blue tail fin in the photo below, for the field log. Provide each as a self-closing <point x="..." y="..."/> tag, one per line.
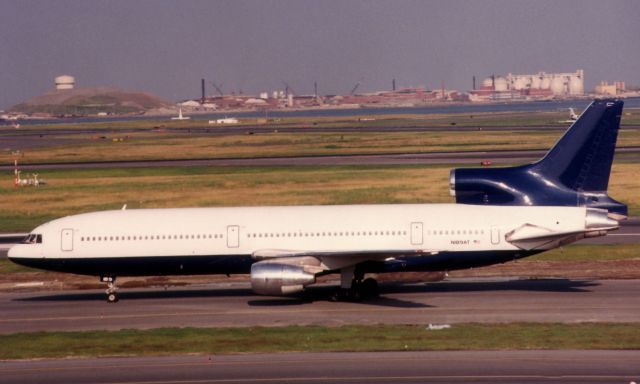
<point x="582" y="158"/>
<point x="575" y="172"/>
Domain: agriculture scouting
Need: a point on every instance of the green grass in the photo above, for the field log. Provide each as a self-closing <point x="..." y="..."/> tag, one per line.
<point x="7" y="267"/>
<point x="75" y="191"/>
<point x="579" y="252"/>
<point x="165" y="341"/>
<point x="185" y="145"/>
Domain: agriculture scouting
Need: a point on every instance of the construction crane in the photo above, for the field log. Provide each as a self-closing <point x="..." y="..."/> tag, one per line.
<point x="217" y="87"/>
<point x="355" y="87"/>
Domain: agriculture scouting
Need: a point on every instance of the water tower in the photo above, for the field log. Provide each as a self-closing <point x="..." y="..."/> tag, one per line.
<point x="65" y="82"/>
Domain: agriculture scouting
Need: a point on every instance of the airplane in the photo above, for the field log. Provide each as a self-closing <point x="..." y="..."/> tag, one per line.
<point x="572" y="117"/>
<point x="180" y="117"/>
<point x="500" y="214"/>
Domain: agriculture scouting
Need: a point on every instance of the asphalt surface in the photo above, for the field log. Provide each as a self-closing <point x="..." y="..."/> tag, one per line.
<point x="629" y="233"/>
<point x="381" y="367"/>
<point x="463" y="157"/>
<point x="24" y="139"/>
<point x="235" y="305"/>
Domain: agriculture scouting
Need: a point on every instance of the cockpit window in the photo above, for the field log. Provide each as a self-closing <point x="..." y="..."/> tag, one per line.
<point x="33" y="238"/>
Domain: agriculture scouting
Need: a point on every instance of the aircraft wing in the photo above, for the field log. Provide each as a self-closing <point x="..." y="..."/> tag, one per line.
<point x="534" y="237"/>
<point x="333" y="259"/>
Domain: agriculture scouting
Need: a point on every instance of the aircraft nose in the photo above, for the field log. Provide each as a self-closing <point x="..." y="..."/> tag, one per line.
<point x="13" y="252"/>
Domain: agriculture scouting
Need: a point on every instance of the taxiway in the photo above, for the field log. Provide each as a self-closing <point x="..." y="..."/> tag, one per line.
<point x="380" y="367"/>
<point x="235" y="305"/>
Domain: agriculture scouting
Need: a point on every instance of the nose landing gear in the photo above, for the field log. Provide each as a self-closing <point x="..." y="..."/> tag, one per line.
<point x="111" y="291"/>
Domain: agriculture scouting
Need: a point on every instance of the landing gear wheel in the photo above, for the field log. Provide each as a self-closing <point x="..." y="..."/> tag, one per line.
<point x="369" y="288"/>
<point x="343" y="294"/>
<point x="112" y="297"/>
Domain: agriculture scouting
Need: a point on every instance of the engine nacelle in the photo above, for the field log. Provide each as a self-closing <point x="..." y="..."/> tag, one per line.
<point x="276" y="279"/>
<point x="523" y="185"/>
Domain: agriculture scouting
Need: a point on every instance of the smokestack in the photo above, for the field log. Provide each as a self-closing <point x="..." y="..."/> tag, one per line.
<point x="315" y="89"/>
<point x="202" y="100"/>
<point x="393" y="84"/>
<point x="474" y="83"/>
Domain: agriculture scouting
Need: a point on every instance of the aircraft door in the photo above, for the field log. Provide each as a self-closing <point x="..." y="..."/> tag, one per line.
<point x="416" y="233"/>
<point x="495" y="235"/>
<point x="66" y="242"/>
<point x="233" y="236"/>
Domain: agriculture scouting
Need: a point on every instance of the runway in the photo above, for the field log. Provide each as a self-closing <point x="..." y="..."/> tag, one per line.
<point x="234" y="305"/>
<point x="458" y="157"/>
<point x="378" y="367"/>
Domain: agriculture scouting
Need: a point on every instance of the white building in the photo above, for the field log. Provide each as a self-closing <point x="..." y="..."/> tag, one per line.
<point x="558" y="84"/>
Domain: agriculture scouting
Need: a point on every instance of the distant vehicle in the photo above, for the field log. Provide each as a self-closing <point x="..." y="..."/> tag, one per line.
<point x="501" y="214"/>
<point x="180" y="117"/>
<point x="485" y="163"/>
<point x="8" y="117"/>
<point x="226" y="120"/>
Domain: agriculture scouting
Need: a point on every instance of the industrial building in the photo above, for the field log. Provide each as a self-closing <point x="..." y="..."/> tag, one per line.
<point x="538" y="85"/>
<point x="617" y="88"/>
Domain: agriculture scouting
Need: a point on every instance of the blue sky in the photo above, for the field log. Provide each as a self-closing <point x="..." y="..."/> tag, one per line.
<point x="166" y="47"/>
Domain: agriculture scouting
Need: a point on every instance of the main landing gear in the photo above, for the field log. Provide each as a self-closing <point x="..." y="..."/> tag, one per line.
<point x="354" y="287"/>
<point x="112" y="294"/>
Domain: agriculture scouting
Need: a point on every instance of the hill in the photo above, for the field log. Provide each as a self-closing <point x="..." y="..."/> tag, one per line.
<point x="90" y="101"/>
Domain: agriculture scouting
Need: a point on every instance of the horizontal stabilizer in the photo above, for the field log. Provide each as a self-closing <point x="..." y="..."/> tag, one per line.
<point x="534" y="237"/>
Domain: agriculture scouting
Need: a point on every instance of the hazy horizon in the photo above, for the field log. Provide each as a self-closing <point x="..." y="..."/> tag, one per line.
<point x="166" y="47"/>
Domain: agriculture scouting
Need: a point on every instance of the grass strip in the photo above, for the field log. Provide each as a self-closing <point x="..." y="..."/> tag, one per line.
<point x="165" y="341"/>
<point x="580" y="252"/>
<point x="76" y="191"/>
<point x="149" y="146"/>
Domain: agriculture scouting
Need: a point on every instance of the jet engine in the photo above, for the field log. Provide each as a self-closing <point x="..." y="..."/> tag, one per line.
<point x="281" y="277"/>
<point x="524" y="185"/>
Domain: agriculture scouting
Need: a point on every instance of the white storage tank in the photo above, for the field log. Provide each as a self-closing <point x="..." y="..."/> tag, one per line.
<point x="520" y="83"/>
<point x="65" y="82"/>
<point x="501" y="84"/>
<point x="576" y="85"/>
<point x="557" y="85"/>
<point x="545" y="83"/>
<point x="535" y="82"/>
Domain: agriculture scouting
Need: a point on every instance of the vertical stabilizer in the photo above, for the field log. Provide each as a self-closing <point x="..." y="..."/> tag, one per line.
<point x="575" y="172"/>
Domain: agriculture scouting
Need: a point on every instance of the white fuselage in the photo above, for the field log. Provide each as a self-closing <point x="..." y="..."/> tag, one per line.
<point x="425" y="228"/>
